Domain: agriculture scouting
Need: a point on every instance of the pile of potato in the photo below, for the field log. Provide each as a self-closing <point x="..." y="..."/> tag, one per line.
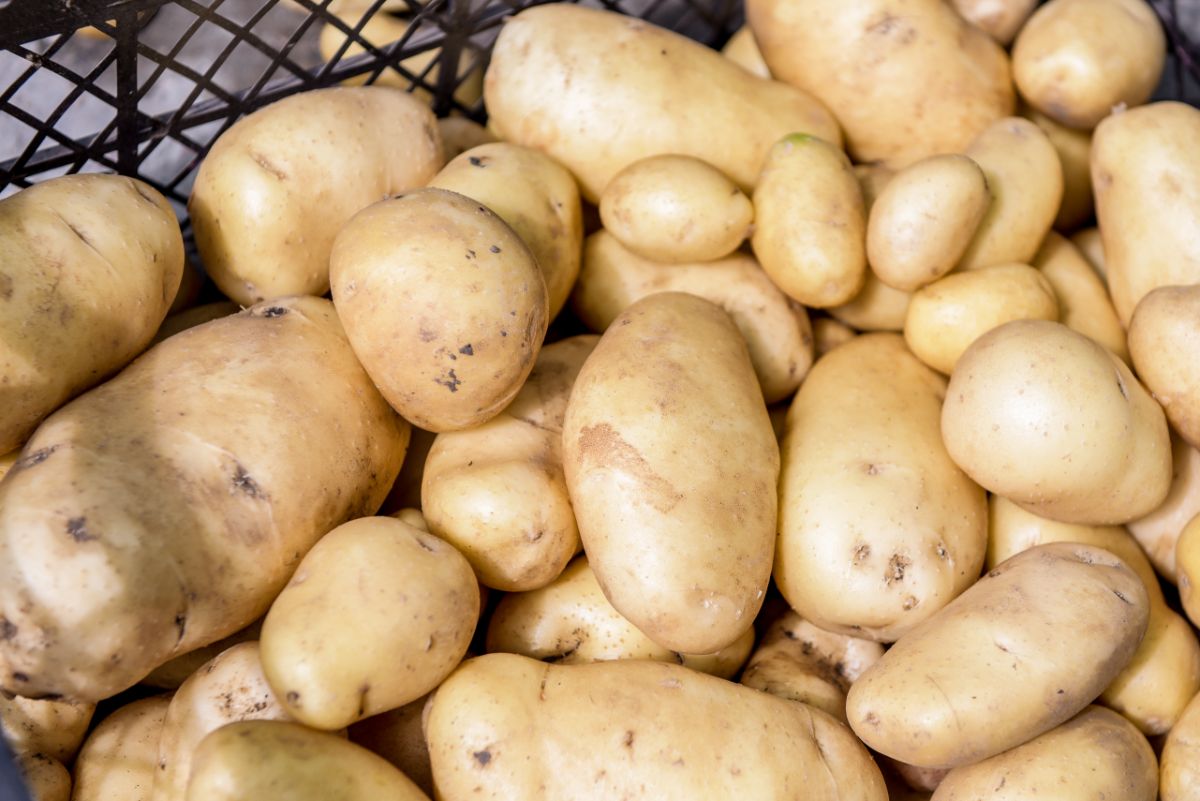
<point x="874" y="477"/>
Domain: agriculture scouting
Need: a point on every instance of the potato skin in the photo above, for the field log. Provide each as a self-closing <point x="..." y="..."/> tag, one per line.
<point x="1187" y="561"/>
<point x="46" y="777"/>
<point x="398" y="737"/>
<point x="1164" y="340"/>
<point x="932" y="699"/>
<point x="1091" y="245"/>
<point x="49" y="727"/>
<point x="91" y="264"/>
<point x="1158" y="532"/>
<point x="165" y="509"/>
<point x="1083" y="302"/>
<point x="876" y="307"/>
<point x="674" y="733"/>
<point x="999" y="19"/>
<point x="460" y="134"/>
<point x="742" y="50"/>
<point x="676" y="511"/>
<point x="120" y="757"/>
<point x="1179" y="764"/>
<point x="1074" y="149"/>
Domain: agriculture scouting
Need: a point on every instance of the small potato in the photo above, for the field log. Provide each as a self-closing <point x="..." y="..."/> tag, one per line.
<point x="120" y="757"/>
<point x="460" y="134"/>
<point x="742" y="50"/>
<point x="924" y="220"/>
<point x="1179" y="765"/>
<point x="675" y="209"/>
<point x="1159" y="531"/>
<point x="999" y="19"/>
<point x="443" y="304"/>
<point x="197" y="315"/>
<point x="876" y="307"/>
<point x="1187" y="567"/>
<point x="46" y="777"/>
<point x="872" y="178"/>
<point x="810" y="222"/>
<point x="1083" y="302"/>
<point x="1039" y="637"/>
<point x="829" y="333"/>
<point x="170" y="675"/>
<point x="1074" y="153"/>
<point x="1055" y="422"/>
<point x="1164" y="339"/>
<point x="398" y="737"/>
<point x="945" y="317"/>
<point x="1075" y="60"/>
<point x="406" y="491"/>
<point x="190" y="285"/>
<point x="1091" y="245"/>
<point x="52" y="728"/>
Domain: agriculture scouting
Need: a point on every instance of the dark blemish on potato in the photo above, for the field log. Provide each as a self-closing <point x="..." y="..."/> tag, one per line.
<point x="1000" y="786"/>
<point x="293" y="697"/>
<point x="503" y="333"/>
<point x="242" y="481"/>
<point x="910" y="602"/>
<point x="429" y="644"/>
<point x="476" y="161"/>
<point x="426" y="335"/>
<point x="628" y="740"/>
<point x="450" y="381"/>
<point x="6" y="286"/>
<point x="678" y="657"/>
<point x="259" y="707"/>
<point x="35" y="458"/>
<point x="1121" y="595"/>
<point x="272" y="312"/>
<point x="470" y="254"/>
<point x="861" y="552"/>
<point x="1121" y="387"/>
<point x="992" y="573"/>
<point x="18" y="676"/>
<point x="542" y="686"/>
<point x="1059" y="692"/>
<point x="467" y="350"/>
<point x="1002" y="647"/>
<point x="791" y="635"/>
<point x="77" y="528"/>
<point x="871" y="469"/>
<point x="421" y="541"/>
<point x="483" y="757"/>
<point x="942" y="553"/>
<point x="65" y="314"/>
<point x="494" y="248"/>
<point x="268" y="165"/>
<point x="534" y="536"/>
<point x="362" y="699"/>
<point x="896" y="567"/>
<point x="871" y="719"/>
<point x="137" y="187"/>
<point x="678" y="762"/>
<point x="181" y="624"/>
<point x="8" y="629"/>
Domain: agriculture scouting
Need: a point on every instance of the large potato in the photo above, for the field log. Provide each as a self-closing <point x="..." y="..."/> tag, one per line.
<point x="1083" y="302"/>
<point x="51" y="727"/>
<point x="1020" y="652"/>
<point x="1164" y="340"/>
<point x="165" y="509"/>
<point x="673" y="484"/>
<point x="999" y="19"/>
<point x="443" y="303"/>
<point x="507" y="727"/>
<point x="598" y="90"/>
<point x="1159" y="531"/>
<point x="1179" y="768"/>
<point x="90" y="265"/>
<point x="120" y="757"/>
<point x="878" y="529"/>
<point x="1074" y="149"/>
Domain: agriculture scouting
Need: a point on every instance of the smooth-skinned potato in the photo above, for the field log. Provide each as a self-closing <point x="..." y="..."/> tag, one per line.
<point x="829" y="333"/>
<point x="171" y="674"/>
<point x="1164" y="340"/>
<point x="1158" y="532"/>
<point x="197" y="315"/>
<point x="1091" y="245"/>
<point x="1083" y="302"/>
<point x="742" y="50"/>
<point x="1179" y="764"/>
<point x="460" y="134"/>
<point x="399" y="737"/>
<point x="999" y="19"/>
<point x="1187" y="568"/>
<point x="51" y="727"/>
<point x="1074" y="149"/>
<point x="120" y="757"/>
<point x="876" y="307"/>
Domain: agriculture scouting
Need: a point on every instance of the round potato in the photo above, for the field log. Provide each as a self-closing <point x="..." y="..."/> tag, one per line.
<point x="120" y="757"/>
<point x="46" y="777"/>
<point x="1074" y="153"/>
<point x="999" y="19"/>
<point x="1158" y="532"/>
<point x="876" y="307"/>
<point x="397" y="736"/>
<point x="1179" y="765"/>
<point x="1083" y="302"/>
<point x="1164" y="340"/>
<point x="54" y="728"/>
<point x="460" y="134"/>
<point x="742" y="50"/>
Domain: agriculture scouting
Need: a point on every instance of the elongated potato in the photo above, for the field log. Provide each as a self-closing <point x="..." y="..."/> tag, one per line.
<point x="742" y="50"/>
<point x="554" y="85"/>
<point x="90" y="266"/>
<point x="46" y="777"/>
<point x="876" y="307"/>
<point x="1158" y="532"/>
<point x="398" y="737"/>
<point x="53" y="728"/>
<point x="504" y="726"/>
<point x="1179" y="766"/>
<point x="674" y="485"/>
<point x="1074" y="149"/>
<point x="120" y="757"/>
<point x="1083" y="302"/>
<point x="165" y="509"/>
<point x="1164" y="340"/>
<point x="1039" y="637"/>
<point x="878" y="529"/>
<point x="999" y="19"/>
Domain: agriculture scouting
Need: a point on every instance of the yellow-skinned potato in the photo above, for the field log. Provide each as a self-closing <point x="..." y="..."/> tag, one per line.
<point x="1074" y="154"/>
<point x="398" y="737"/>
<point x="742" y="50"/>
<point x="872" y="179"/>
<point x="1096" y="754"/>
<point x="674" y="209"/>
<point x="776" y="329"/>
<point x="170" y="675"/>
<point x="878" y="529"/>
<point x="945" y="317"/>
<point x="1083" y="301"/>
<point x="7" y="461"/>
<point x="676" y="511"/>
<point x="554" y="85"/>
<point x="876" y="307"/>
<point x="190" y="285"/>
<point x="1025" y="179"/>
<point x="53" y="728"/>
<point x="932" y="699"/>
<point x="46" y="777"/>
<point x="534" y="195"/>
<point x="165" y="509"/>
<point x="1187" y="568"/>
<point x="906" y="80"/>
<point x="1075" y="60"/>
<point x="810" y="222"/>
<point x="276" y="188"/>
<point x="90" y="266"/>
<point x="1052" y="420"/>
<point x="1179" y="764"/>
<point x="1146" y="176"/>
<point x="197" y="315"/>
<point x="120" y="757"/>
<point x="999" y="19"/>
<point x="1164" y="339"/>
<point x="924" y="219"/>
<point x="505" y="727"/>
<point x="264" y="759"/>
<point x="569" y="621"/>
<point x="443" y="303"/>
<point x="460" y="134"/>
<point x="406" y="492"/>
<point x="1091" y="245"/>
<point x="829" y="333"/>
<point x="497" y="492"/>
<point x="1158" y="532"/>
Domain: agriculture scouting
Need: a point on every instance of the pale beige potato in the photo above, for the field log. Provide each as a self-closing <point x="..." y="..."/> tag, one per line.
<point x="1053" y="421"/>
<point x="829" y="333"/>
<point x="775" y="328"/>
<point x="1187" y="569"/>
<point x="1091" y="245"/>
<point x="460" y="134"/>
<point x="872" y="178"/>
<point x="1074" y="154"/>
<point x="999" y="19"/>
<point x="46" y="778"/>
<point x="1164" y="340"/>
<point x="810" y="222"/>
<point x="1179" y="763"/>
<point x="444" y="305"/>
<point x="1025" y="179"/>
<point x="165" y="509"/>
<point x="673" y="484"/>
<point x="1077" y="60"/>
<point x="1158" y="532"/>
<point x="506" y="727"/>
<point x="876" y="307"/>
<point x="263" y="759"/>
<point x="906" y="80"/>
<point x="924" y="219"/>
<point x="1096" y="754"/>
<point x="946" y="316"/>
<point x="412" y="517"/>
<point x="90" y="266"/>
<point x="1146" y="176"/>
<point x="1083" y="301"/>
<point x="171" y="674"/>
<point x="597" y="90"/>
<point x="277" y="186"/>
<point x="197" y="315"/>
<point x="878" y="529"/>
<point x="1039" y="637"/>
<point x="497" y="492"/>
<point x="569" y="621"/>
<point x="536" y="196"/>
<point x="51" y="727"/>
<point x="120" y="757"/>
<point x="398" y="737"/>
<point x="742" y="50"/>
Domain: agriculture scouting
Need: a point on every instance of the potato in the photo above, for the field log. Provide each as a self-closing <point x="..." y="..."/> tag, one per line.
<point x="120" y="757"/>
<point x="829" y="333"/>
<point x="406" y="492"/>
<point x="46" y="777"/>
<point x="1187" y="566"/>
<point x="52" y="728"/>
<point x="170" y="675"/>
<point x="397" y="736"/>
<point x="1164" y="340"/>
<point x="876" y="307"/>
<point x="376" y="615"/>
<point x="497" y="492"/>
<point x="534" y="195"/>
<point x="1025" y="179"/>
<point x="775" y="328"/>
<point x="1083" y="302"/>
<point x="1091" y="245"/>
<point x="810" y="222"/>
<point x="1179" y="765"/>
<point x="460" y="134"/>
<point x="190" y="284"/>
<point x="906" y="80"/>
<point x="999" y="19"/>
<point x="165" y="509"/>
<point x="923" y="780"/>
<point x="1146" y="176"/>
<point x="596" y="91"/>
<point x="504" y="726"/>
<point x="1159" y="531"/>
<point x="877" y="527"/>
<point x="674" y="485"/>
<point x="1039" y="637"/>
<point x="742" y="50"/>
<point x="197" y="315"/>
<point x="1096" y="754"/>
<point x="91" y="263"/>
<point x="945" y="317"/>
<point x="1075" y="60"/>
<point x="1074" y="149"/>
<point x="569" y="621"/>
<point x="277" y="186"/>
<point x="274" y="759"/>
<point x="7" y="461"/>
<point x="924" y="219"/>
<point x="1055" y="422"/>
